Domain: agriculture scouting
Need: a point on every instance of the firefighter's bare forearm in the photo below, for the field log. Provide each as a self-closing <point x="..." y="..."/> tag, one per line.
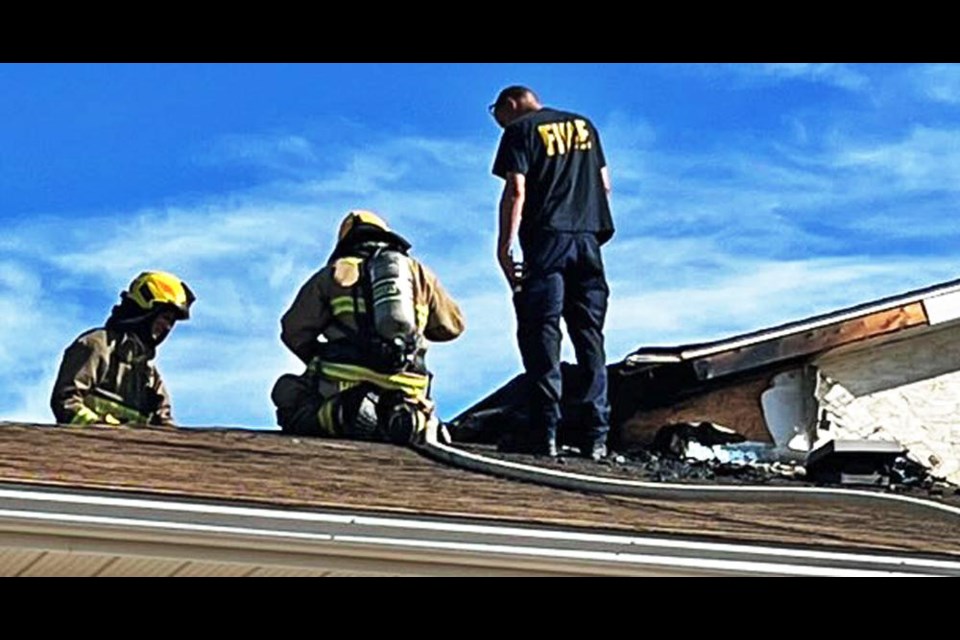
<point x="511" y="208"/>
<point x="509" y="221"/>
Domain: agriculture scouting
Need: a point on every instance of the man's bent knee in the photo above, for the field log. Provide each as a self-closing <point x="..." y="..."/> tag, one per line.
<point x="299" y="406"/>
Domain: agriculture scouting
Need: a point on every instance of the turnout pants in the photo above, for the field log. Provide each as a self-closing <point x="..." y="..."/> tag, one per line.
<point x="315" y="405"/>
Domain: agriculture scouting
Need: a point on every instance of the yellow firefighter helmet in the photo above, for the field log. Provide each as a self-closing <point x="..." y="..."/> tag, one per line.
<point x="151" y="289"/>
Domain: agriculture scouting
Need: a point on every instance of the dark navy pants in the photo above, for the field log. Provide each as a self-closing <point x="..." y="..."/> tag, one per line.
<point x="564" y="277"/>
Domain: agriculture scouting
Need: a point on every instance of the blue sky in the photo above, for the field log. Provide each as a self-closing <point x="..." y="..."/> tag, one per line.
<point x="745" y="195"/>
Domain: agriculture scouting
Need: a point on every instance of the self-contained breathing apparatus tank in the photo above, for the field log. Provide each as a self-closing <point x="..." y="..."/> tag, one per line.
<point x="390" y="301"/>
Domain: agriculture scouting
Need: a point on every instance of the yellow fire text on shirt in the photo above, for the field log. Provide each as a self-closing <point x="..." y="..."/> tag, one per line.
<point x="560" y="137"/>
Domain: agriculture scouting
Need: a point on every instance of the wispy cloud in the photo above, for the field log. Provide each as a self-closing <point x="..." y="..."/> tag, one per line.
<point x="32" y="323"/>
<point x="927" y="159"/>
<point x="278" y="152"/>
<point x="835" y="74"/>
<point x="939" y="82"/>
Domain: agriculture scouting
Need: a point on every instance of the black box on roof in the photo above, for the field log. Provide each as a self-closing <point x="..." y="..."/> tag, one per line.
<point x="853" y="461"/>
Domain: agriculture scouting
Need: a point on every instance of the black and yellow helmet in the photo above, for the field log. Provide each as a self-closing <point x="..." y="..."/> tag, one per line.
<point x="151" y="289"/>
<point x="360" y="226"/>
<point x="354" y="219"/>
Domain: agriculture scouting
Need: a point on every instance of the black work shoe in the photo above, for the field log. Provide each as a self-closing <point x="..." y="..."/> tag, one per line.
<point x="515" y="443"/>
<point x="597" y="451"/>
<point x="551" y="447"/>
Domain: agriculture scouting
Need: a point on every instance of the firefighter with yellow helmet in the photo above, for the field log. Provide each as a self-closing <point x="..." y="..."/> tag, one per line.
<point x="107" y="375"/>
<point x="360" y="324"/>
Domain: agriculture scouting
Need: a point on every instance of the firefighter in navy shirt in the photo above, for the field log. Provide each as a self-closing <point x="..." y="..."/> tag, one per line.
<point x="555" y="204"/>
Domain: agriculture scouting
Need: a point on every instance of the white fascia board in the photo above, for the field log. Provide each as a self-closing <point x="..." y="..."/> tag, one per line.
<point x="168" y="528"/>
<point x="942" y="308"/>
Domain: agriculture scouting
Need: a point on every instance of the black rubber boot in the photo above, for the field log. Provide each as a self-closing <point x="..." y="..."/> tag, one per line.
<point x="400" y="425"/>
<point x="597" y="451"/>
<point x="533" y="444"/>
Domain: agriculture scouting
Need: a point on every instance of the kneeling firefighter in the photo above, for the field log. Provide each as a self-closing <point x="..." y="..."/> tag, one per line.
<point x="373" y="307"/>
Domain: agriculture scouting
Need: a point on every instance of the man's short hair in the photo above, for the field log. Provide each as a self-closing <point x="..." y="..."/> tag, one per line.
<point x="515" y="91"/>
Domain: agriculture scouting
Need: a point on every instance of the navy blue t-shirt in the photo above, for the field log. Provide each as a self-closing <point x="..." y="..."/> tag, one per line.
<point x="560" y="154"/>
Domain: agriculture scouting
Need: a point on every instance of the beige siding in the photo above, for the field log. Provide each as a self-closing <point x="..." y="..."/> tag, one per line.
<point x="288" y="572"/>
<point x="907" y="391"/>
<point x="14" y="561"/>
<point x="57" y="564"/>
<point x="141" y="567"/>
<point x="214" y="570"/>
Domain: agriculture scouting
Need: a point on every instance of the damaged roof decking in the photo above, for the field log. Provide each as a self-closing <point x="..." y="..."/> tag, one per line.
<point x="264" y="468"/>
<point x="915" y="309"/>
<point x="724" y="381"/>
